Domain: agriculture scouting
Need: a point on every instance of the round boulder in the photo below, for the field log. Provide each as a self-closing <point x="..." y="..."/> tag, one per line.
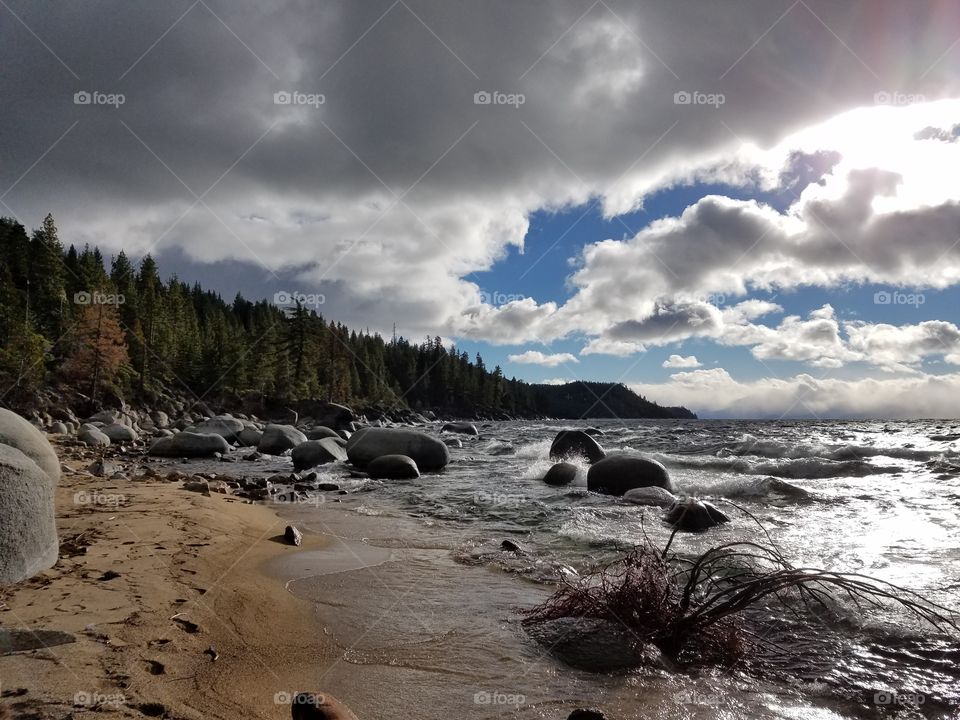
<point x="568" y="443"/>
<point x="119" y="433"/>
<point x="561" y="474"/>
<point x="616" y="474"/>
<point x="226" y="426"/>
<point x="317" y="452"/>
<point x="695" y="515"/>
<point x="91" y="435"/>
<point x="320" y="432"/>
<point x="190" y="445"/>
<point x="249" y="436"/>
<point x="28" y="526"/>
<point x="427" y="452"/>
<point x="277" y="439"/>
<point x="16" y="432"/>
<point x="464" y="428"/>
<point x="393" y="467"/>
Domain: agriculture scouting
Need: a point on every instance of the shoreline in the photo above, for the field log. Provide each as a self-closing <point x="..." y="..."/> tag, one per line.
<point x="172" y="607"/>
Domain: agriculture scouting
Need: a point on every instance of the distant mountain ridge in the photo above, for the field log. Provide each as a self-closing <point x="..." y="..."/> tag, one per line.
<point x="597" y="400"/>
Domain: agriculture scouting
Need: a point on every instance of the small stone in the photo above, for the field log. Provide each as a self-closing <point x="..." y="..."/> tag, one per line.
<point x="292" y="535"/>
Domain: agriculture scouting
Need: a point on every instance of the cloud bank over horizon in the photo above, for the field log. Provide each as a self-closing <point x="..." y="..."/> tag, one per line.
<point x="391" y="157"/>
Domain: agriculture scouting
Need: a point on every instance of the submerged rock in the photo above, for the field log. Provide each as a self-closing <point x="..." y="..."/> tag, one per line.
<point x="561" y="474"/>
<point x="575" y="442"/>
<point x="317" y="452"/>
<point x="393" y="467"/>
<point x="464" y="428"/>
<point x="427" y="452"/>
<point x="616" y="474"/>
<point x="653" y="495"/>
<point x="695" y="515"/>
<point x="594" y="645"/>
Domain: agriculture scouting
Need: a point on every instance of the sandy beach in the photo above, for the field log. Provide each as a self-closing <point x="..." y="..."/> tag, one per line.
<point x="171" y="612"/>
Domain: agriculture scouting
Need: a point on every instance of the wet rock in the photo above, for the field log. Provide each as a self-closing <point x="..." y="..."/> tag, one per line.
<point x="277" y="439"/>
<point x="292" y="535"/>
<point x="593" y="431"/>
<point x="317" y="452"/>
<point x="319" y="706"/>
<point x="514" y="547"/>
<point x="91" y="435"/>
<point x="255" y="455"/>
<point x="616" y="474"/>
<point x="561" y="474"/>
<point x="594" y="645"/>
<point x="189" y="445"/>
<point x="695" y="515"/>
<point x="463" y="428"/>
<point x="453" y="442"/>
<point x="427" y="452"/>
<point x="393" y="467"/>
<point x="568" y="443"/>
<point x="655" y="496"/>
<point x="327" y="486"/>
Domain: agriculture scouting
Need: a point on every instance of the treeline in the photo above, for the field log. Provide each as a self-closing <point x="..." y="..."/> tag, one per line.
<point x="119" y="330"/>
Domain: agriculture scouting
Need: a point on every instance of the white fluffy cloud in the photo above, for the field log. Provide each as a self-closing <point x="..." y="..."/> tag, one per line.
<point x="535" y="357"/>
<point x="679" y="361"/>
<point x="714" y="393"/>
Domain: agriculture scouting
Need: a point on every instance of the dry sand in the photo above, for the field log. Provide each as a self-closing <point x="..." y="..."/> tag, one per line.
<point x="192" y="626"/>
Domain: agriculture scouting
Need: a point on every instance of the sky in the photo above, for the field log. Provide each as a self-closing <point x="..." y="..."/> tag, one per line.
<point x="749" y="208"/>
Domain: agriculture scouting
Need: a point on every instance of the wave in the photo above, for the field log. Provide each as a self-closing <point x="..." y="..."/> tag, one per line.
<point x="802" y="468"/>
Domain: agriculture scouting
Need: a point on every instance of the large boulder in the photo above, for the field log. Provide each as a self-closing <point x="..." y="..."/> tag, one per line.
<point x="249" y="436"/>
<point x="570" y="443"/>
<point x="393" y="467"/>
<point x="695" y="515"/>
<point x="616" y="474"/>
<point x="226" y="426"/>
<point x="28" y="527"/>
<point x="92" y="435"/>
<point x="277" y="439"/>
<point x="334" y="416"/>
<point x="317" y="452"/>
<point x="119" y="433"/>
<point x="464" y="428"/>
<point x="190" y="445"/>
<point x="427" y="452"/>
<point x="561" y="474"/>
<point x="16" y="432"/>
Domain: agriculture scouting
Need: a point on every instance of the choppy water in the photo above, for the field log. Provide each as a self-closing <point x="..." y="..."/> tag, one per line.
<point x="419" y="593"/>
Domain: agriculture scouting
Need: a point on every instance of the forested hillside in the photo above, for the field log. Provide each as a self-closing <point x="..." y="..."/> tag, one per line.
<point x="118" y="330"/>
